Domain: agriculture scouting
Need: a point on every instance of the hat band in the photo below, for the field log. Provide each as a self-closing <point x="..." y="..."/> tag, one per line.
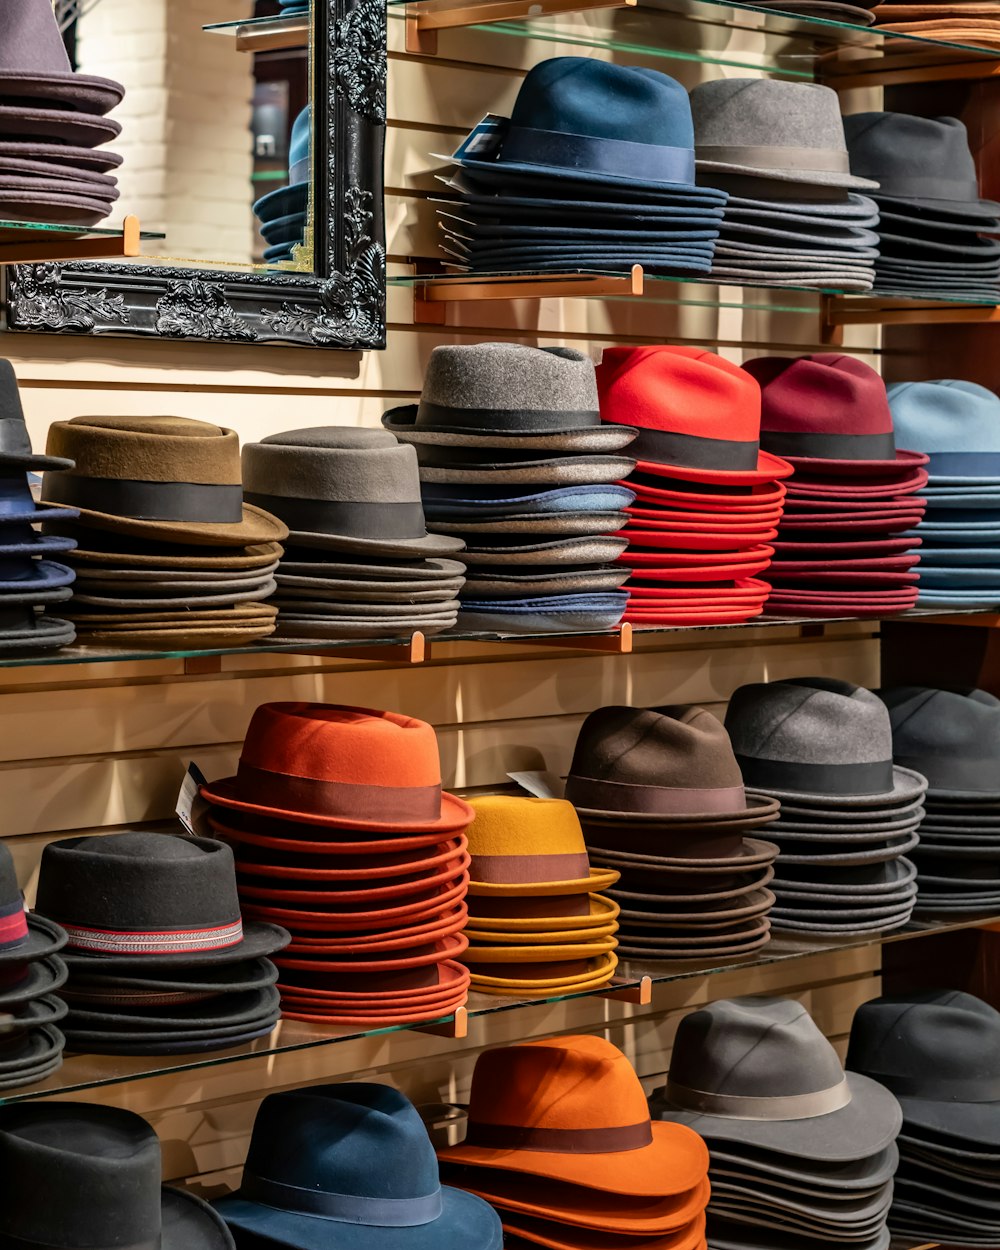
<point x="787" y="1107"/>
<point x="341" y="799"/>
<point x="873" y="778"/>
<point x="148" y="501"/>
<point x="133" y="998"/>
<point x="962" y="774"/>
<point x="693" y="452"/>
<point x="621" y="157"/>
<point x="824" y="160"/>
<point x="155" y="942"/>
<point x="964" y="464"/>
<point x="513" y="419"/>
<point x="342" y="1208"/>
<point x="518" y="869"/>
<point x="986" y="1089"/>
<point x="350" y="518"/>
<point x="559" y="1140"/>
<point x="830" y="446"/>
<point x="621" y="796"/>
<point x="13" y="925"/>
<point x="965" y="189"/>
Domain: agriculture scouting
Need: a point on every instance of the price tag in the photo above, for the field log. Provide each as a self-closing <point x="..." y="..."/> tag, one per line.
<point x="483" y="141"/>
<point x="191" y="807"/>
<point x="542" y="785"/>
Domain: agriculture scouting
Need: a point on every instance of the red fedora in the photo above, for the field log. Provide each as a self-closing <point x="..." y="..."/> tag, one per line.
<point x="745" y="588"/>
<point x="313" y="894"/>
<point x="853" y="507"/>
<point x="698" y="415"/>
<point x="375" y="1020"/>
<point x="674" y="559"/>
<point x="392" y="865"/>
<point x="688" y="519"/>
<point x="828" y="413"/>
<point x="709" y="616"/>
<point x="675" y="540"/>
<point x="767" y="495"/>
<point x="451" y="920"/>
<point x="859" y="549"/>
<point x="424" y="981"/>
<point x="808" y="488"/>
<point x="831" y="562"/>
<point x="301" y="839"/>
<point x="342" y="768"/>
<point x="692" y="573"/>
<point x="380" y="961"/>
<point x="323" y="919"/>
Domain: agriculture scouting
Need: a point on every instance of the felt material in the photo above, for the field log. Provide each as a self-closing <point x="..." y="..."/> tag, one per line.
<point x="579" y="470"/>
<point x="454" y="501"/>
<point x="550" y="620"/>
<point x="34" y="63"/>
<point x="952" y="737"/>
<point x="116" y="552"/>
<point x="547" y="583"/>
<point x="571" y="524"/>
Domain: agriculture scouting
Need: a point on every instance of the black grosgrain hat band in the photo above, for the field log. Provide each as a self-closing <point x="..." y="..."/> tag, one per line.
<point x="865" y="778"/>
<point x="667" y="447"/>
<point x="343" y="1208"/>
<point x="830" y="446"/>
<point x="514" y="419"/>
<point x="345" y="518"/>
<point x="149" y="501"/>
<point x="620" y="157"/>
<point x="738" y="1107"/>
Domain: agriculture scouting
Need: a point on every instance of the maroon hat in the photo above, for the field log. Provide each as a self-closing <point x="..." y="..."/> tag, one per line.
<point x="829" y="413"/>
<point x="869" y="488"/>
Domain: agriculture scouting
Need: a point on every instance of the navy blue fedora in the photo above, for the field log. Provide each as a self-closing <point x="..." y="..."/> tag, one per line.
<point x="956" y="423"/>
<point x="353" y="1157"/>
<point x="293" y="198"/>
<point x="17" y="504"/>
<point x="544" y="614"/>
<point x="444" y="502"/>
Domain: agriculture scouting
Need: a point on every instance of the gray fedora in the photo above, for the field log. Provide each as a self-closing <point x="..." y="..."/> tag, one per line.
<point x="305" y="563"/>
<point x="951" y="736"/>
<point x="332" y="628"/>
<point x="865" y="879"/>
<point x="758" y="1071"/>
<point x="581" y="470"/>
<point x="506" y="395"/>
<point x="547" y="582"/>
<point x="172" y="602"/>
<point x="343" y="489"/>
<point x="566" y="524"/>
<point x="571" y="551"/>
<point x="294" y="588"/>
<point x="888" y="849"/>
<point x="846" y="1177"/>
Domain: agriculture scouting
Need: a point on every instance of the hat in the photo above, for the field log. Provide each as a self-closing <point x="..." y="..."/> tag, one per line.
<point x="818" y="737"/>
<point x="341" y="768"/>
<point x="15" y="444"/>
<point x="956" y="423"/>
<point x="351" y="1162"/>
<point x="506" y="395"/>
<point x="34" y="64"/>
<point x="148" y="898"/>
<point x="83" y="1174"/>
<point x="951" y="736"/>
<point x="571" y="1110"/>
<point x="698" y="414"/>
<point x="165" y="478"/>
<point x="775" y="129"/>
<point x="658" y="765"/>
<point x="23" y="937"/>
<point x="345" y="489"/>
<point x="827" y="413"/>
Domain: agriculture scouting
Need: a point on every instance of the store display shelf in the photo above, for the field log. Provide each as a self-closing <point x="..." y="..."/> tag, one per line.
<point x="265" y="34"/>
<point x="25" y="242"/>
<point x="634" y="985"/>
<point x="888" y="309"/>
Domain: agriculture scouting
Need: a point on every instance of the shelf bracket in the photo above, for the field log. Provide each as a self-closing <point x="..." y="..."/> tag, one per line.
<point x="840" y="311"/>
<point x="97" y="248"/>
<point x="425" y="19"/>
<point x="413" y="651"/>
<point x="456" y="1027"/>
<point x="641" y="995"/>
<point x="475" y="287"/>
<point x="617" y="643"/>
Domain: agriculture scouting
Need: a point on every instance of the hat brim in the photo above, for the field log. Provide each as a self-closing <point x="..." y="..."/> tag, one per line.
<point x="859" y="468"/>
<point x="602" y="910"/>
<point x="45" y="976"/>
<point x="906" y="787"/>
<point x="402" y="422"/>
<point x="219" y="1013"/>
<point x="259" y="941"/>
<point x="752" y="853"/>
<point x="146" y="560"/>
<point x="570" y="524"/>
<point x="599" y="879"/>
<point x="229" y="979"/>
<point x="807" y="177"/>
<point x="257" y="526"/>
<point x="556" y="1236"/>
<point x="44" y="939"/>
<point x="587" y="947"/>
<point x="757" y="809"/>
<point x="187" y="1223"/>
<point x="429" y="545"/>
<point x="403" y="842"/>
<point x="497" y="987"/>
<point x="565" y="471"/>
<point x="135" y="1044"/>
<point x="84" y="92"/>
<point x="769" y="469"/>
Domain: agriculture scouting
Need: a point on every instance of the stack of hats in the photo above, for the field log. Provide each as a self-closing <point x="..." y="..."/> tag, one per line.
<point x="777" y="147"/>
<point x="824" y="10"/>
<point x="842" y="546"/>
<point x="359" y="562"/>
<point x="168" y="553"/>
<point x="561" y="1143"/>
<point x="953" y="738"/>
<point x="802" y="1153"/>
<point x="593" y="170"/>
<point x="51" y="122"/>
<point x="932" y="220"/>
<point x="292" y="8"/>
<point x="538" y="925"/>
<point x="30" y="973"/>
<point x="29" y="580"/>
<point x="343" y="836"/>
<point x="283" y="215"/>
<point x="975" y="22"/>
<point x="708" y="500"/>
<point x="661" y="801"/>
<point x="82" y="1174"/>
<point x="514" y="460"/>
<point x="160" y="961"/>
<point x="849" y="817"/>
<point x="958" y="425"/>
<point x="939" y="1052"/>
<point x="349" y="1164"/>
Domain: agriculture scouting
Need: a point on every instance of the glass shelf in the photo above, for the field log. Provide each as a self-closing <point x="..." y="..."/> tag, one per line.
<point x="84" y="1072"/>
<point x="16" y="231"/>
<point x="28" y="242"/>
<point x="265" y="34"/>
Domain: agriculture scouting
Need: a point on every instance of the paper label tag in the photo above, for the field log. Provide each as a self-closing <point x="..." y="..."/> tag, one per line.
<point x="191" y="807"/>
<point x="483" y="141"/>
<point x="543" y="785"/>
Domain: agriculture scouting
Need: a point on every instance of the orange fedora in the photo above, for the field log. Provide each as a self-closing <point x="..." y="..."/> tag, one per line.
<point x="556" y="1236"/>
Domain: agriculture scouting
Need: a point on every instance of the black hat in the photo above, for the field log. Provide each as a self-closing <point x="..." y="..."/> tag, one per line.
<point x="951" y="736"/>
<point x="149" y="899"/>
<point x="15" y="445"/>
<point x="77" y="1174"/>
<point x="23" y="937"/>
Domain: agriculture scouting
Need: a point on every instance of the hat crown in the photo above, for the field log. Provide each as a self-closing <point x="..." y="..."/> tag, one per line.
<point x="147" y="449"/>
<point x="937" y="1044"/>
<point x="103" y="1161"/>
<point x="508" y="376"/>
<point x="752" y="112"/>
<point x="892" y="148"/>
<point x="952" y="737"/>
<point x="945" y="416"/>
<point x="14" y="438"/>
<point x="332" y="464"/>
<point x="300" y="146"/>
<point x="30" y="42"/>
<point x="515" y="839"/>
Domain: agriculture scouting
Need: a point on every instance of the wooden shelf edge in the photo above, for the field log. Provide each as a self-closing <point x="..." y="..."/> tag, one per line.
<point x="104" y="247"/>
<point x="435" y="291"/>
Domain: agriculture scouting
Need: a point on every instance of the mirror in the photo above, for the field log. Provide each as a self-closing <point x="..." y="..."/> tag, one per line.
<point x="252" y="137"/>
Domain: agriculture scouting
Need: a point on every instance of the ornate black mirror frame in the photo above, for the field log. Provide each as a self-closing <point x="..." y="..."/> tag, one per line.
<point x="341" y="306"/>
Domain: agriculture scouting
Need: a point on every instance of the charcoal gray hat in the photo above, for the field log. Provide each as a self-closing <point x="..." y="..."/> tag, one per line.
<point x="343" y="489"/>
<point x="507" y="395"/>
<point x="951" y="736"/>
<point x="821" y="739"/>
<point x="769" y="128"/>
<point x="758" y="1071"/>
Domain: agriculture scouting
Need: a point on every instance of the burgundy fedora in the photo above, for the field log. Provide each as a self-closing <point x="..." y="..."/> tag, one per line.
<point x="721" y="499"/>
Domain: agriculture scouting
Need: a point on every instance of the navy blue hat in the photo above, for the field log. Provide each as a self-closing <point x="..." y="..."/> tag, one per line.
<point x="18" y="505"/>
<point x="357" y="1156"/>
<point x="22" y="577"/>
<point x="293" y="199"/>
<point x="544" y="614"/>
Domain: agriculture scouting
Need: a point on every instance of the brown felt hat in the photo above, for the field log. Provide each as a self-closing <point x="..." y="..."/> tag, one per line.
<point x="169" y="479"/>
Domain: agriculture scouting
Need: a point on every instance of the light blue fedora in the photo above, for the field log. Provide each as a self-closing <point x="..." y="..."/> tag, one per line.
<point x="956" y="423"/>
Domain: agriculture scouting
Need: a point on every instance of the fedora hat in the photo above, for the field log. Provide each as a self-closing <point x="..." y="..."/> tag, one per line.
<point x="698" y="414"/>
<point x="341" y="768"/>
<point x="84" y="1174"/>
<point x="526" y="847"/>
<point x="34" y="64"/>
<point x="572" y="1110"/>
<point x="24" y="937"/>
<point x="165" y="478"/>
<point x="343" y="489"/>
<point x="15" y="444"/>
<point x="818" y="738"/>
<point x="506" y="395"/>
<point x="658" y="766"/>
<point x="952" y="737"/>
<point x="956" y="423"/>
<point x="149" y="899"/>
<point x="827" y="413"/>
<point x="758" y="1072"/>
<point x="354" y="1157"/>
<point x="770" y="128"/>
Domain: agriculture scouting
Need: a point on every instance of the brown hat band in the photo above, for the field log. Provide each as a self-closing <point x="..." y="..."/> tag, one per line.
<point x="620" y="796"/>
<point x="786" y="1107"/>
<point x="337" y="798"/>
<point x="584" y="1141"/>
<point x="148" y="501"/>
<point x="515" y="869"/>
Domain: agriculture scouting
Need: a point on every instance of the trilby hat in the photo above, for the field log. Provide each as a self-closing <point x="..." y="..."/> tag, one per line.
<point x="23" y="937"/>
<point x="507" y="395"/>
<point x="165" y="478"/>
<point x="956" y="423"/>
<point x="15" y="444"/>
<point x="952" y="737"/>
<point x="34" y="64"/>
<point x="698" y="414"/>
<point x="342" y="768"/>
